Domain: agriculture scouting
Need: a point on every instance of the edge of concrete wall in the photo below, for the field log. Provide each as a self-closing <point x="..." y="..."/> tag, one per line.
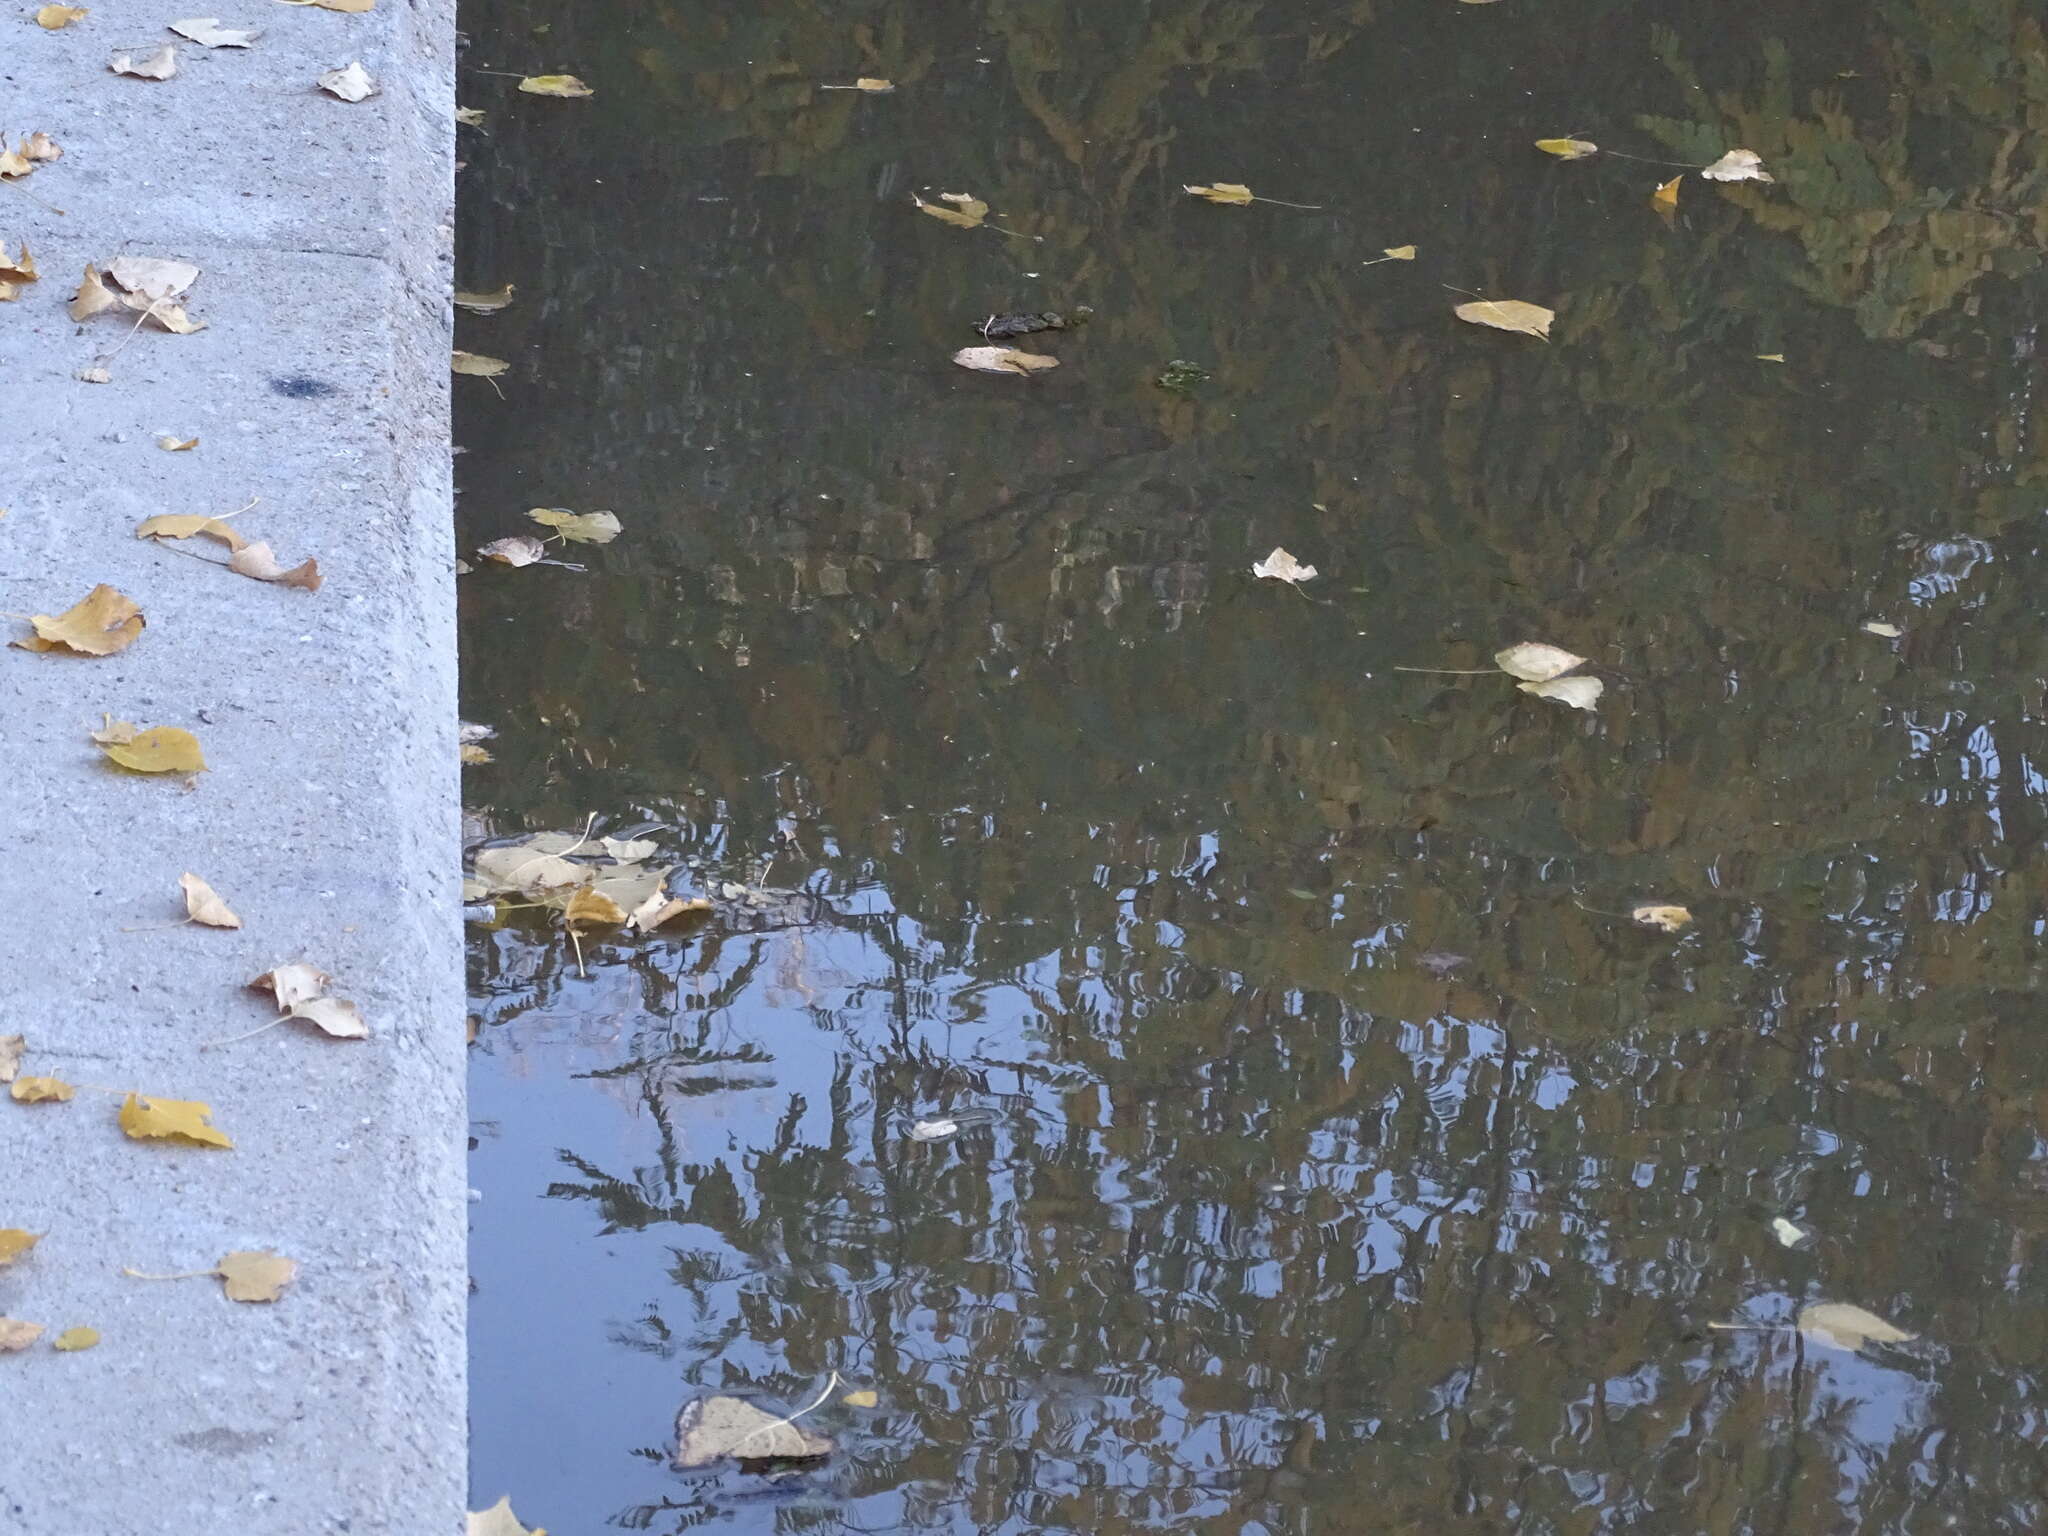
<point x="328" y="817"/>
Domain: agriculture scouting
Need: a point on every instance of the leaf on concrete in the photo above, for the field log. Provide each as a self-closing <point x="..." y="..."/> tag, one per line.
<point x="13" y="163"/>
<point x="485" y="303"/>
<point x="41" y="1090"/>
<point x="209" y="33"/>
<point x="335" y="1017"/>
<point x="76" y="1338"/>
<point x="54" y="18"/>
<point x="292" y="984"/>
<point x="1281" y="566"/>
<point x="519" y="549"/>
<point x="203" y="904"/>
<point x="1509" y="315"/>
<point x="1843" y="1326"/>
<point x="17" y="269"/>
<point x="499" y="1520"/>
<point x="1738" y="165"/>
<point x="16" y="1335"/>
<point x="554" y="85"/>
<point x="967" y="212"/>
<point x="101" y="623"/>
<point x="257" y="561"/>
<point x="581" y="527"/>
<point x="172" y="444"/>
<point x="1568" y="149"/>
<point x="1579" y="692"/>
<point x="12" y="1049"/>
<point x="187" y="525"/>
<point x="590" y="905"/>
<point x="712" y="1428"/>
<point x="146" y="64"/>
<point x="350" y="84"/>
<point x="93" y="296"/>
<point x="1533" y="662"/>
<point x="256" y="1274"/>
<point x="476" y="365"/>
<point x="1222" y="192"/>
<point x="1669" y="919"/>
<point x="161" y="749"/>
<point x="14" y="1242"/>
<point x="154" y="277"/>
<point x="182" y="1120"/>
<point x="1003" y="360"/>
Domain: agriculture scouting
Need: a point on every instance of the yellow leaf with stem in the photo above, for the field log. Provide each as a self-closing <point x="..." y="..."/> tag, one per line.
<point x="1568" y="149"/>
<point x="41" y="1090"/>
<point x="554" y="85"/>
<point x="184" y="1120"/>
<point x="161" y="749"/>
<point x="98" y="624"/>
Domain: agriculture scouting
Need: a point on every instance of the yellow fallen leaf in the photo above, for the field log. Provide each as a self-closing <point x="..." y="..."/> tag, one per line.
<point x="54" y="18"/>
<point x="1670" y="919"/>
<point x="967" y="211"/>
<point x="257" y="561"/>
<point x="93" y="296"/>
<point x="582" y="527"/>
<point x="256" y="1274"/>
<point x="114" y="733"/>
<point x="292" y="984"/>
<point x="203" y="904"/>
<point x="76" y="1338"/>
<point x="472" y="753"/>
<point x="1568" y="149"/>
<point x="15" y="1335"/>
<point x="590" y="905"/>
<point x="1770" y="357"/>
<point x="41" y="1090"/>
<point x="154" y="64"/>
<point x="17" y="269"/>
<point x="12" y="1048"/>
<point x="477" y="365"/>
<point x="1003" y="360"/>
<point x="1534" y="662"/>
<point x="866" y="1397"/>
<point x="485" y="303"/>
<point x="39" y="146"/>
<point x="171" y="444"/>
<point x="14" y="1242"/>
<point x="161" y="749"/>
<point x="470" y="117"/>
<point x="1842" y="1326"/>
<point x="1222" y="192"/>
<point x="186" y="525"/>
<point x="1666" y="196"/>
<point x="870" y="83"/>
<point x="1738" y="165"/>
<point x="519" y="549"/>
<point x="350" y="84"/>
<point x="1399" y="253"/>
<point x="554" y="85"/>
<point x="1509" y="315"/>
<point x="498" y="1520"/>
<point x="209" y="33"/>
<point x="13" y="163"/>
<point x="186" y="1120"/>
<point x="98" y="624"/>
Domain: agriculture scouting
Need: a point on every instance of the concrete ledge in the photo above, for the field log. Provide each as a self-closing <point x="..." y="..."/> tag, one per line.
<point x="329" y="816"/>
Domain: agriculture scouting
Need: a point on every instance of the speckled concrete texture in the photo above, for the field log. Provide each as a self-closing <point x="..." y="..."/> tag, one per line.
<point x="328" y="817"/>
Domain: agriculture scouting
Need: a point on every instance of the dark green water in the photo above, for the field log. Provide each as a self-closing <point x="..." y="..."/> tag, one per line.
<point x="1255" y="1222"/>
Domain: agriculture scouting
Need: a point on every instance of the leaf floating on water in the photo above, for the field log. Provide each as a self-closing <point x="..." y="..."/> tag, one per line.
<point x="1738" y="165"/>
<point x="1670" y="919"/>
<point x="154" y="64"/>
<point x="203" y="904"/>
<point x="476" y="365"/>
<point x="934" y="1130"/>
<point x="162" y="749"/>
<point x="1666" y="196"/>
<point x="256" y="560"/>
<point x="1281" y="566"/>
<point x="1534" y="662"/>
<point x="485" y="303"/>
<point x="1509" y="315"/>
<point x="590" y="905"/>
<point x="1883" y="630"/>
<point x="14" y="1242"/>
<point x="41" y="1090"/>
<point x="93" y="296"/>
<point x="209" y="33"/>
<point x="1790" y="1234"/>
<point x="101" y="623"/>
<point x="1843" y="1326"/>
<point x="1003" y="360"/>
<point x="1770" y="357"/>
<point x="16" y="1335"/>
<point x="256" y="1274"/>
<point x="470" y="117"/>
<point x="472" y="753"/>
<point x="581" y="527"/>
<point x="519" y="549"/>
<point x="499" y="1520"/>
<point x="866" y="1397"/>
<point x="186" y="525"/>
<point x="184" y="1120"/>
<point x="1568" y="149"/>
<point x="661" y="909"/>
<point x="54" y="18"/>
<point x="76" y="1338"/>
<point x="350" y="84"/>
<point x="1399" y="253"/>
<point x="1579" y="692"/>
<point x="713" y="1428"/>
<point x="967" y="211"/>
<point x="864" y="83"/>
<point x="1231" y="192"/>
<point x="554" y="85"/>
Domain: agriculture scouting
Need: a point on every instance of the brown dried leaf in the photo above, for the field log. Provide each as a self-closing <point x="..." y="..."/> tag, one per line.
<point x="1232" y="192"/>
<point x="1670" y="919"/>
<point x="1738" y="165"/>
<point x="1534" y="662"/>
<point x="590" y="905"/>
<point x="1281" y="566"/>
<point x="39" y="146"/>
<point x="256" y="560"/>
<point x="76" y="1338"/>
<point x="209" y="33"/>
<point x="967" y="211"/>
<point x="581" y="527"/>
<point x="152" y="277"/>
<point x="101" y="623"/>
<point x="1568" y="149"/>
<point x="661" y="909"/>
<point x="476" y="365"/>
<point x="93" y="296"/>
<point x="203" y="904"/>
<point x="498" y="1520"/>
<point x="171" y="444"/>
<point x="334" y="1016"/>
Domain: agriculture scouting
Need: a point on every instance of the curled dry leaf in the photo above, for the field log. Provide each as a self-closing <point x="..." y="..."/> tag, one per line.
<point x="1669" y="919"/>
<point x="181" y="1120"/>
<point x="581" y="527"/>
<point x="256" y="1274"/>
<point x="1399" y="253"/>
<point x="14" y="1242"/>
<point x="41" y="1090"/>
<point x="114" y="733"/>
<point x="15" y="270"/>
<point x="1579" y="692"/>
<point x="13" y="163"/>
<point x="146" y="64"/>
<point x="161" y="749"/>
<point x="350" y="84"/>
<point x="554" y="85"/>
<point x="187" y="525"/>
<point x="967" y="212"/>
<point x="16" y="1335"/>
<point x="1666" y="196"/>
<point x="1534" y="662"/>
<point x="661" y="909"/>
<point x="171" y="444"/>
<point x="256" y="560"/>
<point x="498" y="1520"/>
<point x="54" y="18"/>
<point x="713" y="1428"/>
<point x="476" y="365"/>
<point x="76" y="1338"/>
<point x="470" y="117"/>
<point x="485" y="303"/>
<point x="1738" y="165"/>
<point x="1508" y="315"/>
<point x="12" y="1048"/>
<point x="519" y="549"/>
<point x="336" y="1017"/>
<point x="40" y="147"/>
<point x="209" y="33"/>
<point x="1843" y="1326"/>
<point x="1568" y="149"/>
<point x="292" y="984"/>
<point x="1281" y="566"/>
<point x="1222" y="192"/>
<point x="98" y="624"/>
<point x="629" y="850"/>
<point x="590" y="905"/>
<point x="93" y="296"/>
<point x="203" y="904"/>
<point x="1003" y="360"/>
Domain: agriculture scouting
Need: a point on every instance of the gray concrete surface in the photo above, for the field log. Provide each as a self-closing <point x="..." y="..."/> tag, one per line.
<point x="329" y="816"/>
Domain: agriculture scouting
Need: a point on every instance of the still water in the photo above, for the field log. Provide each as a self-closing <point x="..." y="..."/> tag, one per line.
<point x="1333" y="1154"/>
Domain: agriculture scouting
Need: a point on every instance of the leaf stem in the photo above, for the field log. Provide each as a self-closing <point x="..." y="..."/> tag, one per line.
<point x="1454" y="671"/>
<point x="284" y="1018"/>
<point x="189" y="1274"/>
<point x="1281" y="202"/>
